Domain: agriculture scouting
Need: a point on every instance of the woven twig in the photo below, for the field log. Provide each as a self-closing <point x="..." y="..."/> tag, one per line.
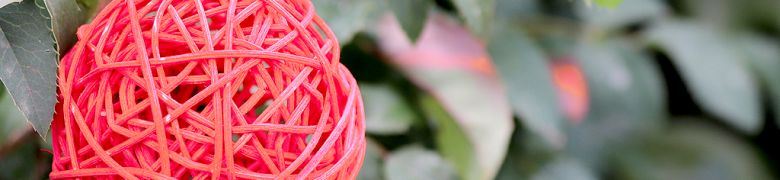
<point x="220" y="89"/>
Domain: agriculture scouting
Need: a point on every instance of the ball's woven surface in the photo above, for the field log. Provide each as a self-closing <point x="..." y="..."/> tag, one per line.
<point x="207" y="89"/>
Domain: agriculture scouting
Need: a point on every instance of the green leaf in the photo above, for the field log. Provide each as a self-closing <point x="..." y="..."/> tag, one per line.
<point x="66" y="17"/>
<point x="627" y="99"/>
<point x="630" y="12"/>
<point x="412" y="15"/>
<point x="386" y="111"/>
<point x="478" y="15"/>
<point x="416" y="163"/>
<point x="372" y="163"/>
<point x="714" y="72"/>
<point x="12" y="123"/>
<point x="764" y="58"/>
<point x="92" y="7"/>
<point x="608" y="3"/>
<point x="348" y="17"/>
<point x="28" y="60"/>
<point x="452" y="66"/>
<point x="565" y="168"/>
<point x="691" y="150"/>
<point x="451" y="140"/>
<point x="525" y="72"/>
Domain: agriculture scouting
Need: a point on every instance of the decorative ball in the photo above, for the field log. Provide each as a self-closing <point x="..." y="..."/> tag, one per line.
<point x="207" y="89"/>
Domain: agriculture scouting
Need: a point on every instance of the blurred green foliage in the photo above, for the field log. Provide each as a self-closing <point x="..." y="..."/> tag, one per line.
<point x="645" y="63"/>
<point x="464" y="89"/>
<point x="20" y="150"/>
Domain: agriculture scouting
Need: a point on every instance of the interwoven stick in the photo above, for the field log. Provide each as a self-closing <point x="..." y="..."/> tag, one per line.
<point x="220" y="89"/>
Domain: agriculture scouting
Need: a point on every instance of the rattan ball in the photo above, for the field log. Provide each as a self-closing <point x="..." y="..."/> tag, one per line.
<point x="207" y="89"/>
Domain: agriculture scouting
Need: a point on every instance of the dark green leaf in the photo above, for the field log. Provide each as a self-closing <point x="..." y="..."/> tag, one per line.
<point x="565" y="168"/>
<point x="348" y="17"/>
<point x="525" y="72"/>
<point x="417" y="163"/>
<point x="90" y="4"/>
<point x="528" y="153"/>
<point x="28" y="60"/>
<point x="372" y="163"/>
<point x="478" y="15"/>
<point x="92" y="7"/>
<point x="451" y="140"/>
<point x="66" y="17"/>
<point x="691" y="150"/>
<point x="25" y="161"/>
<point x="627" y="99"/>
<point x="412" y="15"/>
<point x="714" y="72"/>
<point x="386" y="111"/>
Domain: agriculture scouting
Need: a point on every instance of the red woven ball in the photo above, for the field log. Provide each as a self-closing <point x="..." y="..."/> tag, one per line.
<point x="218" y="89"/>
